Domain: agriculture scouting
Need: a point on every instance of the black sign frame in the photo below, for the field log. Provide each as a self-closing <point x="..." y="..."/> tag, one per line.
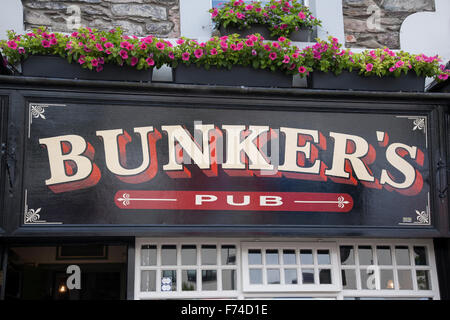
<point x="226" y="98"/>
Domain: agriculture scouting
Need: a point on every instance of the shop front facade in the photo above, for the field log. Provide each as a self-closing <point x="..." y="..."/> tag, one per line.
<point x="116" y="190"/>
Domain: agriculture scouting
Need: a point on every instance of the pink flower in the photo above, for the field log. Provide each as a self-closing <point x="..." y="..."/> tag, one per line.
<point x="198" y="53"/>
<point x="150" y="61"/>
<point x="254" y="53"/>
<point x="74" y="34"/>
<point x="295" y="55"/>
<point x="123" y="54"/>
<point x="253" y="38"/>
<point x="214" y="13"/>
<point x="301" y="15"/>
<point x="369" y="67"/>
<point x="249" y="43"/>
<point x="103" y="39"/>
<point x="12" y="44"/>
<point x="109" y="45"/>
<point x="147" y="40"/>
<point x="443" y="76"/>
<point x="94" y="62"/>
<point x="21" y="50"/>
<point x="185" y="56"/>
<point x="101" y="60"/>
<point x="267" y="47"/>
<point x="240" y="15"/>
<point x="143" y="46"/>
<point x="239" y="46"/>
<point x="286" y="59"/>
<point x="107" y="51"/>
<point x="134" y="61"/>
<point x="272" y="56"/>
<point x="391" y="69"/>
<point x="213" y="51"/>
<point x="233" y="47"/>
<point x="180" y="41"/>
<point x="160" y="46"/>
<point x="81" y="60"/>
<point x="126" y="45"/>
<point x="301" y="69"/>
<point x="99" y="47"/>
<point x="46" y="43"/>
<point x="281" y="39"/>
<point x="99" y="68"/>
<point x="399" y="64"/>
<point x="249" y="7"/>
<point x="275" y="45"/>
<point x="171" y="55"/>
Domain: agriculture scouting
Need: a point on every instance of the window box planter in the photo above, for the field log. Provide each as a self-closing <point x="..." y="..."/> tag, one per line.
<point x="302" y="35"/>
<point x="57" y="67"/>
<point x="353" y="81"/>
<point x="237" y="76"/>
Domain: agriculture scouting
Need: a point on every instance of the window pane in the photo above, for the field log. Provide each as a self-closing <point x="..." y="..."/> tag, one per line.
<point x="254" y="256"/>
<point x="402" y="255"/>
<point x="272" y="257"/>
<point x="325" y="276"/>
<point x="323" y="257"/>
<point x="423" y="280"/>
<point x="420" y="256"/>
<point x="169" y="255"/>
<point x="229" y="280"/>
<point x="209" y="280"/>
<point x="347" y="255"/>
<point x="188" y="280"/>
<point x="228" y="255"/>
<point x="405" y="280"/>
<point x="387" y="279"/>
<point x="306" y="257"/>
<point x="168" y="280"/>
<point x="349" y="279"/>
<point x="148" y="280"/>
<point x="273" y="276"/>
<point x="365" y="255"/>
<point x="209" y="255"/>
<point x="148" y="255"/>
<point x="289" y="257"/>
<point x="308" y="276"/>
<point x="255" y="276"/>
<point x="189" y="255"/>
<point x="368" y="280"/>
<point x="290" y="276"/>
<point x="384" y="255"/>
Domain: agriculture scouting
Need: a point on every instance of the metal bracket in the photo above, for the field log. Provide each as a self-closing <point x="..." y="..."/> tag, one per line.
<point x="10" y="162"/>
<point x="442" y="165"/>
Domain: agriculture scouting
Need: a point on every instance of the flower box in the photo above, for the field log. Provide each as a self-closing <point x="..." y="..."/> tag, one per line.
<point x="302" y="35"/>
<point x="57" y="67"/>
<point x="236" y="76"/>
<point x="353" y="81"/>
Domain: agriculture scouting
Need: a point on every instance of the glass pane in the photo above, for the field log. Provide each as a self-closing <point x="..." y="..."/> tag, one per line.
<point x="272" y="257"/>
<point x="273" y="276"/>
<point x="384" y="255"/>
<point x="349" y="279"/>
<point x="209" y="255"/>
<point x="229" y="280"/>
<point x="405" y="280"/>
<point x="228" y="255"/>
<point x="290" y="276"/>
<point x="168" y="280"/>
<point x="188" y="255"/>
<point x="188" y="280"/>
<point x="148" y="255"/>
<point x="254" y="256"/>
<point x="368" y="280"/>
<point x="323" y="257"/>
<point x="387" y="279"/>
<point x="169" y="255"/>
<point x="347" y="255"/>
<point x="255" y="276"/>
<point x="420" y="256"/>
<point x="423" y="280"/>
<point x="289" y="257"/>
<point x="402" y="256"/>
<point x="148" y="280"/>
<point x="209" y="280"/>
<point x="365" y="255"/>
<point x="308" y="276"/>
<point x="325" y="276"/>
<point x="306" y="257"/>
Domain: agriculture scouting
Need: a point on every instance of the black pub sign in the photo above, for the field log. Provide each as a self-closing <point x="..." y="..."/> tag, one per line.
<point x="170" y="165"/>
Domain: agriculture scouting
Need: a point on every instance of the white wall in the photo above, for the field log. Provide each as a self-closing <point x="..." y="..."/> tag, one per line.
<point x="11" y="17"/>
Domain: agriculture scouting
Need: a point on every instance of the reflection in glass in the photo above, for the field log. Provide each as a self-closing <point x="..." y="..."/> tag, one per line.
<point x="323" y="257"/>
<point x="368" y="280"/>
<point x="188" y="255"/>
<point x="423" y="280"/>
<point x="420" y="256"/>
<point x="325" y="276"/>
<point x="189" y="280"/>
<point x="148" y="255"/>
<point x="255" y="276"/>
<point x="148" y="280"/>
<point x="365" y="255"/>
<point x="209" y="255"/>
<point x="289" y="257"/>
<point x="272" y="257"/>
<point x="387" y="279"/>
<point x="306" y="256"/>
<point x="402" y="255"/>
<point x="405" y="280"/>
<point x="347" y="255"/>
<point x="384" y="255"/>
<point x="290" y="276"/>
<point x="308" y="276"/>
<point x="165" y="276"/>
<point x="209" y="280"/>
<point x="273" y="276"/>
<point x="228" y="255"/>
<point x="349" y="279"/>
<point x="229" y="280"/>
<point x="254" y="256"/>
<point x="169" y="255"/>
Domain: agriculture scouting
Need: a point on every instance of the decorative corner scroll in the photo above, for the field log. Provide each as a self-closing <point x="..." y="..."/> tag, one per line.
<point x="32" y="216"/>
<point x="419" y="124"/>
<point x="423" y="217"/>
<point x="37" y="111"/>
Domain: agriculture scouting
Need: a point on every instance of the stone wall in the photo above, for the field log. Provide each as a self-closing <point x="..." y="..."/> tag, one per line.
<point x="376" y="23"/>
<point x="135" y="17"/>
